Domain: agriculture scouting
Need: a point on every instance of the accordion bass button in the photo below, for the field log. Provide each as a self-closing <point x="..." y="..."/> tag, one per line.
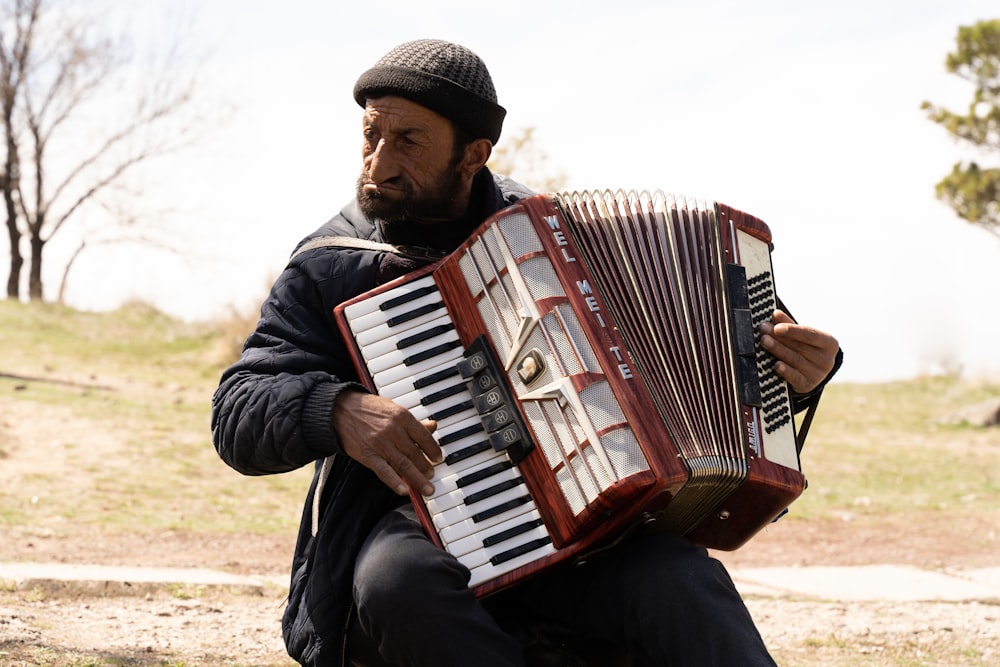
<point x="723" y="515"/>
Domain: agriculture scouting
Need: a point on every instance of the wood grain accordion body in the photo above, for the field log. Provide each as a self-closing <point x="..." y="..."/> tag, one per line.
<point x="593" y="363"/>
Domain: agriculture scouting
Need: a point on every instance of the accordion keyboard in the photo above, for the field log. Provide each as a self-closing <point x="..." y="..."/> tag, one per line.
<point x="481" y="508"/>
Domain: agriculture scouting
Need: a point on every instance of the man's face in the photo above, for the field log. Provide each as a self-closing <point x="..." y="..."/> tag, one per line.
<point x="410" y="171"/>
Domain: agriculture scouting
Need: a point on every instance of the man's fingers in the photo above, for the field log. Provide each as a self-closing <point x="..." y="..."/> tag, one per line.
<point x="802" y="336"/>
<point x="385" y="472"/>
<point x="398" y="471"/>
<point x="426" y="442"/>
<point x="386" y="438"/>
<point x="415" y="470"/>
<point x="805" y="355"/>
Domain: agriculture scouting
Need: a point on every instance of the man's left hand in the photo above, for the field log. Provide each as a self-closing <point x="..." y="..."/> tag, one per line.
<point x="805" y="355"/>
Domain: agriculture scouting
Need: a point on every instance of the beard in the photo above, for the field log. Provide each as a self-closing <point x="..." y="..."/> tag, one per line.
<point x="434" y="204"/>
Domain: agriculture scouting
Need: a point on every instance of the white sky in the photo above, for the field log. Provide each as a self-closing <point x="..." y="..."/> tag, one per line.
<point x="804" y="114"/>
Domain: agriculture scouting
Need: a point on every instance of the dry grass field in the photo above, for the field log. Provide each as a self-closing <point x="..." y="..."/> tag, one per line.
<point x="106" y="458"/>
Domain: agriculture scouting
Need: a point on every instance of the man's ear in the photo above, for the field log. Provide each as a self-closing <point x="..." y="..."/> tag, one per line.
<point x="477" y="153"/>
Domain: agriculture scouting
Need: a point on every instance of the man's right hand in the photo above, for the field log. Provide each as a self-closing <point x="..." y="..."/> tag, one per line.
<point x="387" y="439"/>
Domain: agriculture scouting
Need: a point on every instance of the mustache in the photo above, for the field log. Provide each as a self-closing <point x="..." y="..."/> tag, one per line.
<point x="396" y="181"/>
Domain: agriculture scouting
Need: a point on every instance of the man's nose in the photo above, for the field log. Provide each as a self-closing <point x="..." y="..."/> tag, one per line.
<point x="381" y="163"/>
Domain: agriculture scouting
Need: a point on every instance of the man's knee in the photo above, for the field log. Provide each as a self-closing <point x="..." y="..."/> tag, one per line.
<point x="659" y="565"/>
<point x="403" y="575"/>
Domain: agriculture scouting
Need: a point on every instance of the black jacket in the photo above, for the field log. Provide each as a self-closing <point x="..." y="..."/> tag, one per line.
<point x="273" y="409"/>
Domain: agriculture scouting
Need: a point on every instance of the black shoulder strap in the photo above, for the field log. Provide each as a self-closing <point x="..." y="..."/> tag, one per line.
<point x="410" y="252"/>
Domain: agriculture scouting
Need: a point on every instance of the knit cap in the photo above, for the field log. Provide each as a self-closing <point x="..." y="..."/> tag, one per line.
<point x="446" y="78"/>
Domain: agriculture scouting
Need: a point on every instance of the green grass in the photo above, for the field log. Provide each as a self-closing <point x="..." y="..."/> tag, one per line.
<point x="875" y="450"/>
<point x="150" y="378"/>
<point x="886" y="448"/>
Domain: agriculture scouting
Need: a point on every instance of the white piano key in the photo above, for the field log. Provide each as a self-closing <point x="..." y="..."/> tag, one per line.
<point x="456" y="531"/>
<point x="446" y="401"/>
<point x="467" y="512"/>
<point x="391" y="342"/>
<point x="478" y="439"/>
<point x="396" y="357"/>
<point x="400" y="388"/>
<point x="383" y="330"/>
<point x="472" y="542"/>
<point x="473" y="425"/>
<point x="449" y="483"/>
<point x="482" y="555"/>
<point x="446" y="500"/>
<point x="392" y="373"/>
<point x="445" y="421"/>
<point x="372" y="304"/>
<point x="391" y="376"/>
<point x="489" y="571"/>
<point x="413" y="403"/>
<point x="487" y="457"/>
<point x="443" y="392"/>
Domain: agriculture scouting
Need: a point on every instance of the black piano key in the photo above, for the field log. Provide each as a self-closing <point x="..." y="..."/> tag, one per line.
<point x="430" y="353"/>
<point x="455" y="436"/>
<point x="520" y="550"/>
<point x="414" y="314"/>
<point x="423" y="335"/>
<point x="442" y="394"/>
<point x="451" y="410"/>
<point x="491" y="512"/>
<point x="505" y="535"/>
<point x="482" y="473"/>
<point x="409" y="296"/>
<point x="505" y="485"/>
<point x="428" y="380"/>
<point x="466" y="452"/>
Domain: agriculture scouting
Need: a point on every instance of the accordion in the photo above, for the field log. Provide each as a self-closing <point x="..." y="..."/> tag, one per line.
<point x="593" y="364"/>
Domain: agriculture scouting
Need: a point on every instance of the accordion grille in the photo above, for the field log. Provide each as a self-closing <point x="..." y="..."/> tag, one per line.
<point x="540" y="278"/>
<point x="519" y="235"/>
<point x="582" y="434"/>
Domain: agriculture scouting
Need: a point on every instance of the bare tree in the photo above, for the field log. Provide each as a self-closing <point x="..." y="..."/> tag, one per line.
<point x="520" y="157"/>
<point x="15" y="42"/>
<point x="77" y="120"/>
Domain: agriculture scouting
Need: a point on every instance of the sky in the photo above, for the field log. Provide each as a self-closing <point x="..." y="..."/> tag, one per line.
<point x="805" y="114"/>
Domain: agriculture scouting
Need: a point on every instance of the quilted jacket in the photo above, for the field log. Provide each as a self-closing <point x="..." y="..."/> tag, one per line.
<point x="272" y="413"/>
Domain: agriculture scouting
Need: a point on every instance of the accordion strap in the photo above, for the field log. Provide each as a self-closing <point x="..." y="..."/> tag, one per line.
<point x="408" y="251"/>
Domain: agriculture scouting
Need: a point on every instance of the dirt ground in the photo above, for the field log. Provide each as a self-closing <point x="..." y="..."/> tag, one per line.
<point x="215" y="627"/>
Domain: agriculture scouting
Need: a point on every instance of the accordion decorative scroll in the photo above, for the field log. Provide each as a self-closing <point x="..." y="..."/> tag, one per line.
<point x="593" y="363"/>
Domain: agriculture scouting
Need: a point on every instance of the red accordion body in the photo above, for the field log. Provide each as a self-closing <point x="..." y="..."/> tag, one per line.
<point x="593" y="365"/>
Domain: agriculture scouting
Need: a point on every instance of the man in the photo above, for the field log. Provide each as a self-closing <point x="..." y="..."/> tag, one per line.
<point x="366" y="580"/>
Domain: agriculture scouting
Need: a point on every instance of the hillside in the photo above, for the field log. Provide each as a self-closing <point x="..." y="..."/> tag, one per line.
<point x="104" y="432"/>
<point x="106" y="458"/>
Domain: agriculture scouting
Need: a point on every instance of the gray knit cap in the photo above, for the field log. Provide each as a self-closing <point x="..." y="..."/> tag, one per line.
<point x="444" y="77"/>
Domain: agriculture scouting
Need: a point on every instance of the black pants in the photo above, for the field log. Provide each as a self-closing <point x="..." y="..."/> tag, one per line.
<point x="655" y="596"/>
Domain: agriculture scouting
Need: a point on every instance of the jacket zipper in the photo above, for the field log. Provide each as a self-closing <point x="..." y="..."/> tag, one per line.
<point x="347" y="627"/>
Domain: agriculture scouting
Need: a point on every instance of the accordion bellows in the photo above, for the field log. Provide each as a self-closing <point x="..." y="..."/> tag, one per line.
<point x="593" y="363"/>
